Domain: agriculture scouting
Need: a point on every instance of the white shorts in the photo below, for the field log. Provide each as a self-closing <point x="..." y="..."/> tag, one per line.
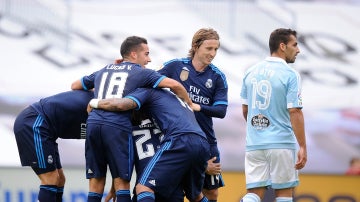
<point x="271" y="167"/>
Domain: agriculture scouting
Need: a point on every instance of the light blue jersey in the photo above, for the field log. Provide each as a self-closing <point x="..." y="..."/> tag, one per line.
<point x="269" y="89"/>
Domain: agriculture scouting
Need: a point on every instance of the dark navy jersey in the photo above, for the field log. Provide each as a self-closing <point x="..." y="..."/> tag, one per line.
<point x="205" y="88"/>
<point x="146" y="138"/>
<point x="173" y="116"/>
<point x="65" y="113"/>
<point x="116" y="81"/>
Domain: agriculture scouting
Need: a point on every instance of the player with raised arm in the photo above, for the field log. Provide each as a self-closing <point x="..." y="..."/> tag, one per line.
<point x="184" y="151"/>
<point x="38" y="127"/>
<point x="109" y="134"/>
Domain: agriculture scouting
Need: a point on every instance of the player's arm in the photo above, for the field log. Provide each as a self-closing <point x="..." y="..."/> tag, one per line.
<point x="219" y="106"/>
<point x="177" y="88"/>
<point x="218" y="111"/>
<point x="297" y="123"/>
<point x="113" y="104"/>
<point x="245" y="111"/>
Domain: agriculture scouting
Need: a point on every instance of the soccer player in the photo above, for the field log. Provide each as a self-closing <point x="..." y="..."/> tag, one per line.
<point x="272" y="107"/>
<point x="207" y="87"/>
<point x="183" y="153"/>
<point x="109" y="134"/>
<point x="146" y="138"/>
<point x="38" y="127"/>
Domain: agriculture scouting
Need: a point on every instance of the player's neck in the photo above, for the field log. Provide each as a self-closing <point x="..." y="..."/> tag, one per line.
<point x="199" y="66"/>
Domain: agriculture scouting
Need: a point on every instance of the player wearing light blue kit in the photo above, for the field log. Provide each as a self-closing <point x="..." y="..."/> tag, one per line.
<point x="183" y="153"/>
<point x="109" y="134"/>
<point x="270" y="88"/>
<point x="207" y="87"/>
<point x="272" y="103"/>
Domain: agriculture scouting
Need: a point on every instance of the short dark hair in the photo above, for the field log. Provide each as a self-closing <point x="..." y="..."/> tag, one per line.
<point x="279" y="36"/>
<point x="131" y="43"/>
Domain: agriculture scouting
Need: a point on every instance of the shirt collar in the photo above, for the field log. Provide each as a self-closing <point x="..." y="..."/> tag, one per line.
<point x="275" y="59"/>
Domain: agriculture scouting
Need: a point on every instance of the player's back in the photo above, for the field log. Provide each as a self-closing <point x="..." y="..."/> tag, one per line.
<point x="146" y="138"/>
<point x="116" y="81"/>
<point x="270" y="87"/>
<point x="173" y="116"/>
<point x="66" y="113"/>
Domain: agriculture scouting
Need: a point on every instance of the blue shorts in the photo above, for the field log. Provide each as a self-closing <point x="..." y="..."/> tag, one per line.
<point x="179" y="161"/>
<point x="214" y="181"/>
<point x="36" y="143"/>
<point x="108" y="146"/>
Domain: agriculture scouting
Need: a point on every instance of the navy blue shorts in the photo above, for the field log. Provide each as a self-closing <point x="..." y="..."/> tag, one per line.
<point x="36" y="144"/>
<point x="108" y="146"/>
<point x="179" y="161"/>
<point x="214" y="181"/>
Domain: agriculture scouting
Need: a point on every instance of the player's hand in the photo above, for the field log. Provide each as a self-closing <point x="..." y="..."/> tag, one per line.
<point x="302" y="158"/>
<point x="88" y="109"/>
<point x="111" y="194"/>
<point x="213" y="168"/>
<point x="195" y="107"/>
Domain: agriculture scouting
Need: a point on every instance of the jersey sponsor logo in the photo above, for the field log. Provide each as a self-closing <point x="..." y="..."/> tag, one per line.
<point x="209" y="83"/>
<point x="184" y="74"/>
<point x="199" y="99"/>
<point x="50" y="159"/>
<point x="194" y="94"/>
<point x="260" y="122"/>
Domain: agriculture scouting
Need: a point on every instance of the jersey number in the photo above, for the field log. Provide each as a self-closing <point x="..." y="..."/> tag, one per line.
<point x="116" y="84"/>
<point x="148" y="149"/>
<point x="261" y="94"/>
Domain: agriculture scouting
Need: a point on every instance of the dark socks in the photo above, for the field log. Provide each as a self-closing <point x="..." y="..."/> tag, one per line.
<point x="204" y="199"/>
<point x="94" y="197"/>
<point x="146" y="197"/>
<point x="59" y="194"/>
<point x="47" y="193"/>
<point x="123" y="196"/>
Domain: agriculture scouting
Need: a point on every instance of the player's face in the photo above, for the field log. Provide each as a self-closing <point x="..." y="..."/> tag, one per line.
<point x="142" y="56"/>
<point x="291" y="50"/>
<point x="207" y="51"/>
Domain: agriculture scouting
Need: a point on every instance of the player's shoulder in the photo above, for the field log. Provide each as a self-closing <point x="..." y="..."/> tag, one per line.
<point x="216" y="71"/>
<point x="176" y="61"/>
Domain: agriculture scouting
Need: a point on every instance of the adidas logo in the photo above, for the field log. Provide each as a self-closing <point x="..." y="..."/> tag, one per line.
<point x="90" y="171"/>
<point x="152" y="182"/>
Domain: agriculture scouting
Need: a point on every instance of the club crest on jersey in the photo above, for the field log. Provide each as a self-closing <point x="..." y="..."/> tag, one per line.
<point x="209" y="83"/>
<point x="184" y="75"/>
<point x="50" y="159"/>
